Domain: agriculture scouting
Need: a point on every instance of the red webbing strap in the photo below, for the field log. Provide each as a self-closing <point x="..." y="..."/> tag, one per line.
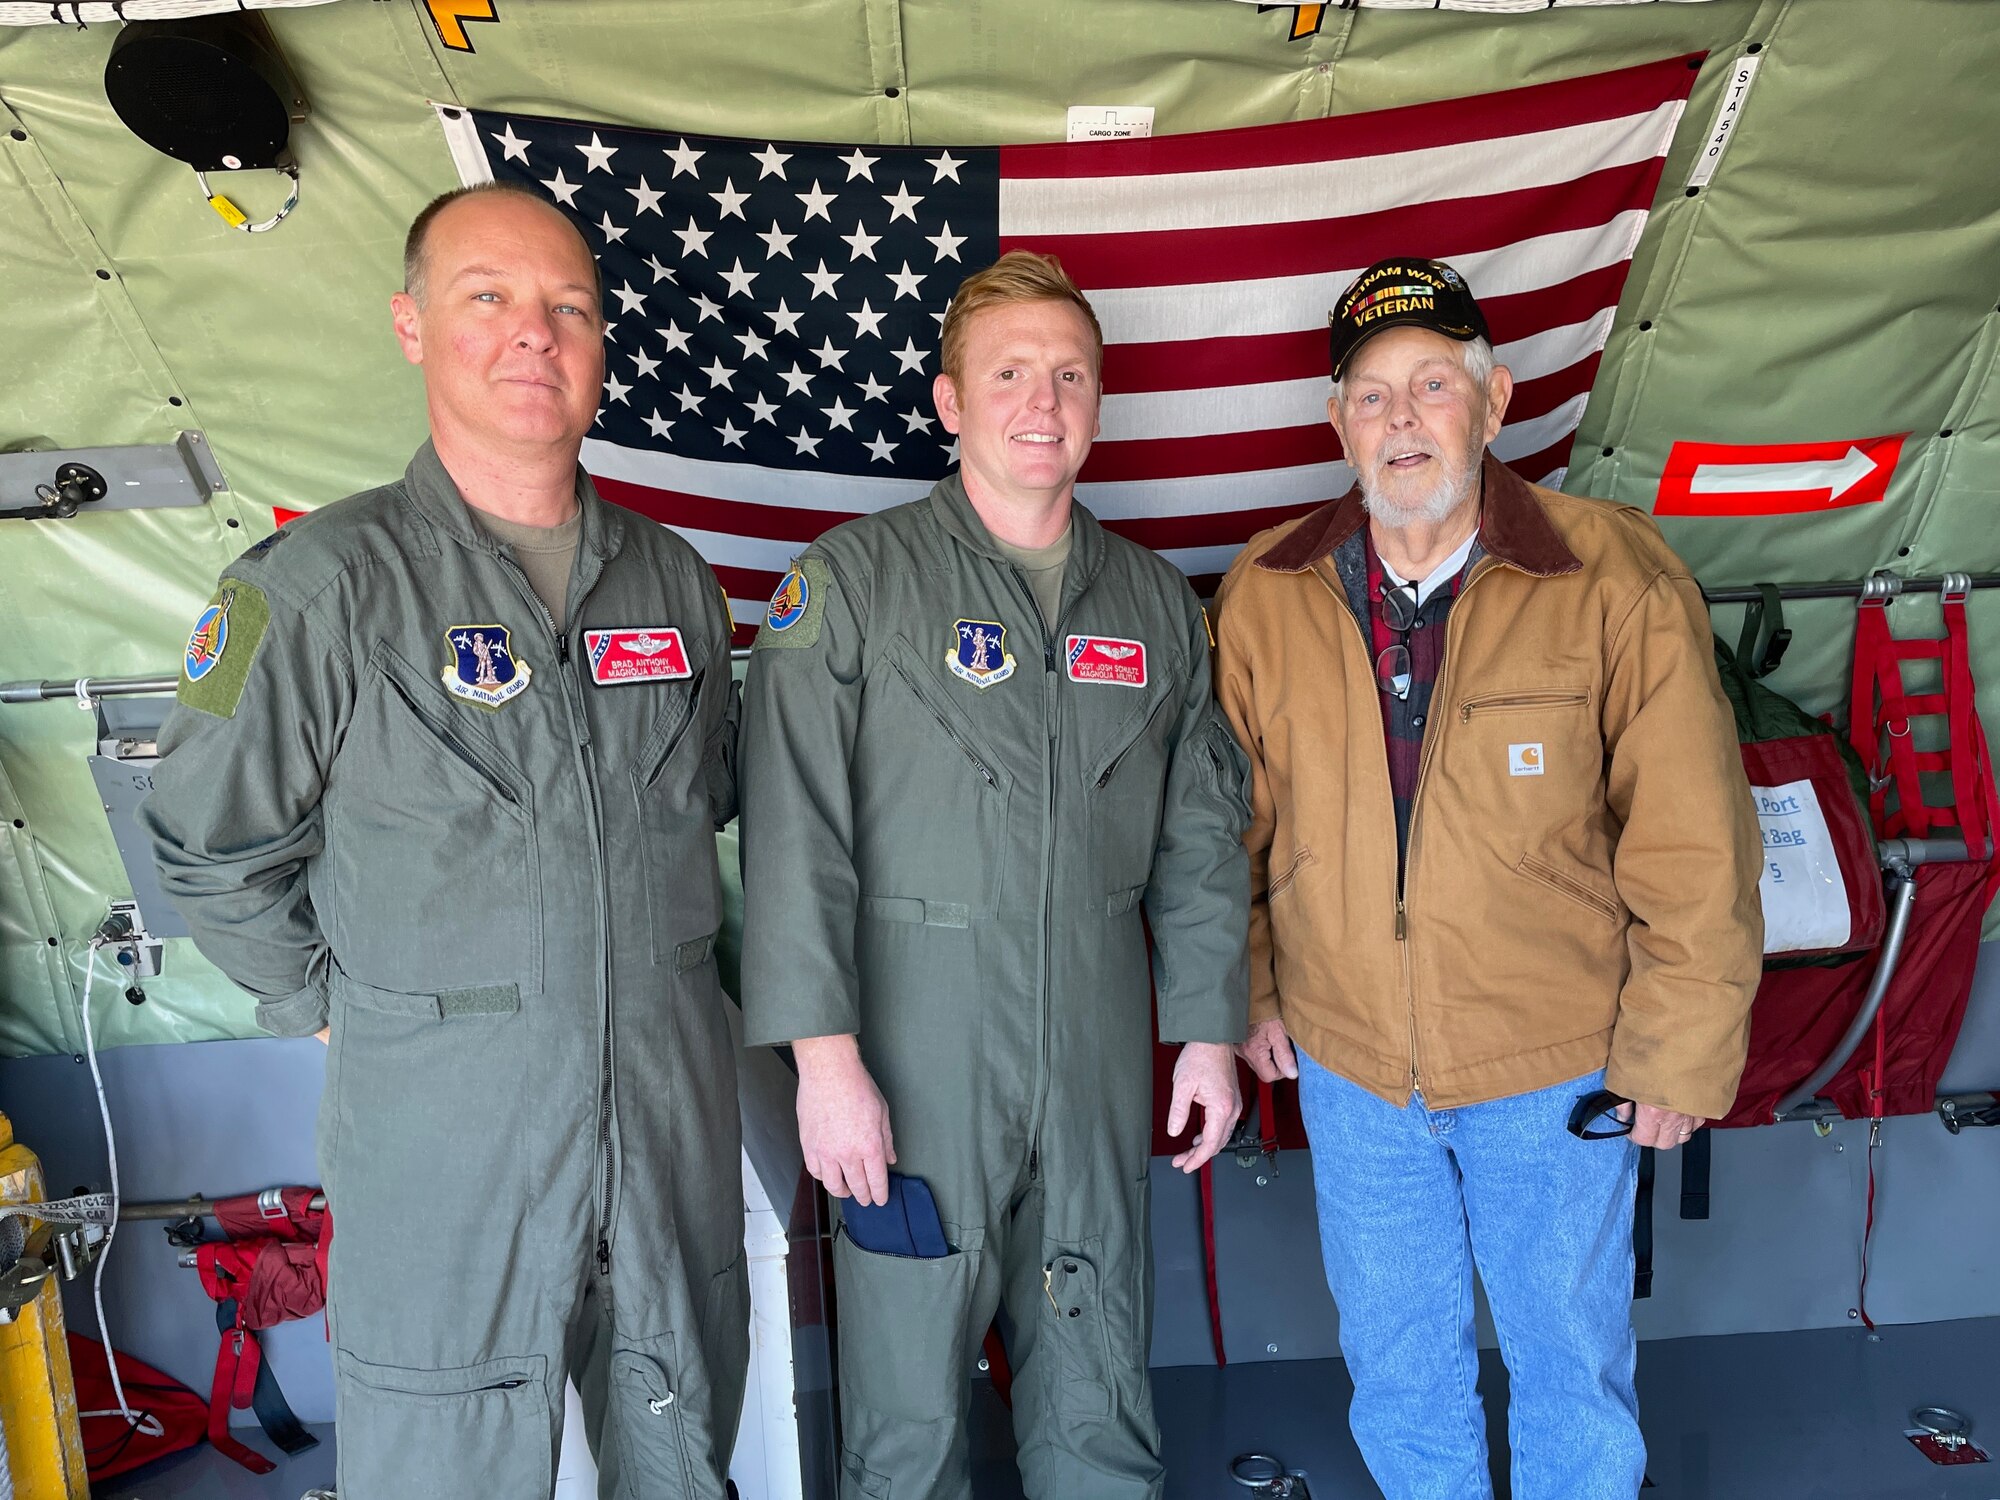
<point x="997" y="1368"/>
<point x="224" y="1268"/>
<point x="1207" y="1177"/>
<point x="1880" y="707"/>
<point x="235" y="1377"/>
<point x="1969" y="760"/>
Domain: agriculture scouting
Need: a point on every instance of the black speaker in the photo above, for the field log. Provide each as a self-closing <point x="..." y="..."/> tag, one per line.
<point x="213" y="91"/>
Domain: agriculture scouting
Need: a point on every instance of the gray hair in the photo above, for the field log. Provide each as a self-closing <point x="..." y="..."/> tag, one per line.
<point x="1476" y="355"/>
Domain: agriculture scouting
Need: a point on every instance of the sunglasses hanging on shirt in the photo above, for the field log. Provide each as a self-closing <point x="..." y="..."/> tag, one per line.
<point x="1392" y="666"/>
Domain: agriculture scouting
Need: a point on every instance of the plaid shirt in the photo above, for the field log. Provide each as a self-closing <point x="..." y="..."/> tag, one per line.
<point x="1403" y="719"/>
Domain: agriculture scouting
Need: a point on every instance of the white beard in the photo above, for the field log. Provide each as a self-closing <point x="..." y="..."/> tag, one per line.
<point x="1457" y="481"/>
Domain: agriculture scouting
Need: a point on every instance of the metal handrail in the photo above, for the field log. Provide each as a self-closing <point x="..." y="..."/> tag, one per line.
<point x="1880" y="585"/>
<point x="85" y="690"/>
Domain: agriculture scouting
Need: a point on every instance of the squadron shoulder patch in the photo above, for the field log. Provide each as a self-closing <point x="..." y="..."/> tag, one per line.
<point x="979" y="653"/>
<point x="1106" y="658"/>
<point x="798" y="608"/>
<point x="220" y="648"/>
<point x="635" y="655"/>
<point x="484" y="669"/>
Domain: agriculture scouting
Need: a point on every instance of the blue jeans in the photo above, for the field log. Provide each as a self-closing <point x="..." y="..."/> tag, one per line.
<point x="1409" y="1199"/>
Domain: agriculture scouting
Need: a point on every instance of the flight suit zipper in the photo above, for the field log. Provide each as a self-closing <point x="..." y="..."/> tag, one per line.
<point x="1104" y="776"/>
<point x="1408" y="859"/>
<point x="586" y="765"/>
<point x="1051" y="709"/>
<point x="964" y="745"/>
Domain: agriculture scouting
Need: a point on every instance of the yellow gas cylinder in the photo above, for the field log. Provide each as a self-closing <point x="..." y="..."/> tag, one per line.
<point x="44" y="1444"/>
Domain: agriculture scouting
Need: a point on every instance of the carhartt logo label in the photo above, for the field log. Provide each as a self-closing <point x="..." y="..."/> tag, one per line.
<point x="1524" y="760"/>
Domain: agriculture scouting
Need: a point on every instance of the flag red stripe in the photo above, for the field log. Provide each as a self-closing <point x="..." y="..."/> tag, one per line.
<point x="1521" y="111"/>
<point x="1290" y="447"/>
<point x="780" y="523"/>
<point x="1443" y="228"/>
<point x="1220" y="453"/>
<point x="1205" y="584"/>
<point x="1212" y="529"/>
<point x="1536" y="467"/>
<point x="747" y="583"/>
<point x="1255" y="359"/>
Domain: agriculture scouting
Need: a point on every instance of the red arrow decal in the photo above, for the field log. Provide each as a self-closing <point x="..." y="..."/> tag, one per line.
<point x="1771" y="479"/>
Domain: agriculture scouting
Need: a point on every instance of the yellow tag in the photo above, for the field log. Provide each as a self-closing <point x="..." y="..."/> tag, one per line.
<point x="229" y="213"/>
<point x="1209" y="627"/>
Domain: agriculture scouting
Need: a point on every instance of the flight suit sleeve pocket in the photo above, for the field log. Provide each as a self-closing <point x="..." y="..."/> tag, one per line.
<point x="490" y="1422"/>
<point x="1075" y="1298"/>
<point x="902" y="1330"/>
<point x="1227" y="768"/>
<point x="652" y="1422"/>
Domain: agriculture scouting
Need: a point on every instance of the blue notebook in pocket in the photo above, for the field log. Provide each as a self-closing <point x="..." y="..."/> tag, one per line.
<point x="907" y="1224"/>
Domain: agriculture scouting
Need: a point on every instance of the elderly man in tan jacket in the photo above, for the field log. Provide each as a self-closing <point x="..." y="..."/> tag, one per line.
<point x="1504" y="860"/>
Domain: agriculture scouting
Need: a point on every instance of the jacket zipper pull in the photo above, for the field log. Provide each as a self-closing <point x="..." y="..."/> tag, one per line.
<point x="1401" y="926"/>
<point x="603" y="1256"/>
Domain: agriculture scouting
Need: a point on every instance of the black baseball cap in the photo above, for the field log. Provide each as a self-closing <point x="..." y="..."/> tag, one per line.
<point x="1399" y="293"/>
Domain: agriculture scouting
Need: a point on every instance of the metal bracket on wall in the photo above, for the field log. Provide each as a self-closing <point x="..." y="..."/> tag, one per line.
<point x="55" y="484"/>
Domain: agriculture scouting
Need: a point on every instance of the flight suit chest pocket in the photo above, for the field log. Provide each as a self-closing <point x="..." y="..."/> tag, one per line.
<point x="1125" y="781"/>
<point x="1075" y="1295"/>
<point x="429" y="832"/>
<point x="933" y="786"/>
<point x="675" y="823"/>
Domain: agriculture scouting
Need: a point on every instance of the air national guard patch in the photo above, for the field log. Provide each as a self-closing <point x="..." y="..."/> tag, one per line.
<point x="635" y="655"/>
<point x="798" y="608"/>
<point x="221" y="646"/>
<point x="979" y="654"/>
<point x="1106" y="658"/>
<point x="484" y="669"/>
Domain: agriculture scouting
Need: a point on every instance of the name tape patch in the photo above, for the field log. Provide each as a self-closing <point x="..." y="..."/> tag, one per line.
<point x="1106" y="658"/>
<point x="635" y="654"/>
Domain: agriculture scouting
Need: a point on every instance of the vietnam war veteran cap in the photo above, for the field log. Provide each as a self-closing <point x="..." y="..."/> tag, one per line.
<point x="1402" y="293"/>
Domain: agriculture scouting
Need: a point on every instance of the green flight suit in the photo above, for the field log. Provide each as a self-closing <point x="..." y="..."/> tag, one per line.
<point x="394" y="799"/>
<point x="953" y="818"/>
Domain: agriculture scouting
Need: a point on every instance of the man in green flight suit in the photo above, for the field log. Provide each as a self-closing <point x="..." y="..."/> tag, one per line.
<point x="445" y="776"/>
<point x="978" y="740"/>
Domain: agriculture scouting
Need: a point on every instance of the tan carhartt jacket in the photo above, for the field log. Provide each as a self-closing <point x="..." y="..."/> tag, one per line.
<point x="1580" y="889"/>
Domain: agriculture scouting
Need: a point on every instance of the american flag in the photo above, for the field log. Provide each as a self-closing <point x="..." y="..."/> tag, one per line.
<point x="773" y="307"/>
